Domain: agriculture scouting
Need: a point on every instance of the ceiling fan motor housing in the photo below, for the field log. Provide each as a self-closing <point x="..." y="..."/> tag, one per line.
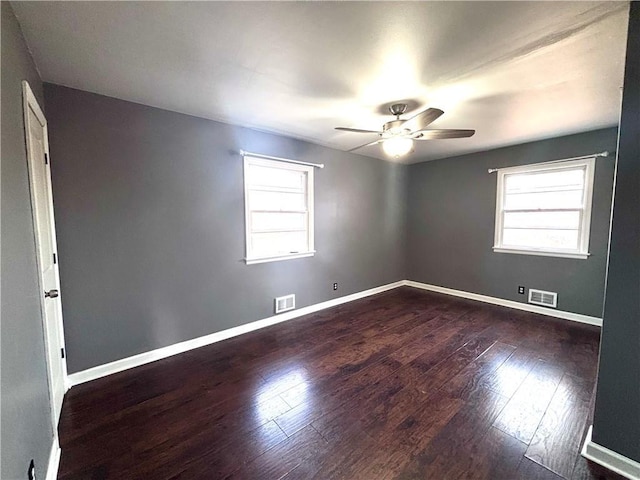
<point x="394" y="128"/>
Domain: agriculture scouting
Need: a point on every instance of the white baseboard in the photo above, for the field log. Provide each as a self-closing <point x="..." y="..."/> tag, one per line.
<point x="164" y="352"/>
<point x="576" y="317"/>
<point x="168" y="351"/>
<point x="609" y="459"/>
<point x="54" y="460"/>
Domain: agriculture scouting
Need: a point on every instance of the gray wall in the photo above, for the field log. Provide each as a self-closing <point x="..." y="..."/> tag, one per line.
<point x="26" y="417"/>
<point x="451" y="219"/>
<point x="150" y="219"/>
<point x="617" y="410"/>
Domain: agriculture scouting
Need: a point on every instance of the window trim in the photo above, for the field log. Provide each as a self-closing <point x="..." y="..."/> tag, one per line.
<point x="284" y="165"/>
<point x="582" y="252"/>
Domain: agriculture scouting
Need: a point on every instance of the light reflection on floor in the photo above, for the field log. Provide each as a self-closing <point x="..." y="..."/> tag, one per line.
<point x="280" y="393"/>
<point x="509" y="377"/>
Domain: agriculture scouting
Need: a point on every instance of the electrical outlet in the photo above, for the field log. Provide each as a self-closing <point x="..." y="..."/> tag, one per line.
<point x="32" y="470"/>
<point x="521" y="290"/>
<point x="335" y="286"/>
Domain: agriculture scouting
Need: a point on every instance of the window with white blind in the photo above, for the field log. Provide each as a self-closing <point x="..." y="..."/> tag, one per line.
<point x="545" y="209"/>
<point x="278" y="210"/>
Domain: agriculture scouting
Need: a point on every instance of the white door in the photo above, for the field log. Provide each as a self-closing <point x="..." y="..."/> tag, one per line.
<point x="44" y="225"/>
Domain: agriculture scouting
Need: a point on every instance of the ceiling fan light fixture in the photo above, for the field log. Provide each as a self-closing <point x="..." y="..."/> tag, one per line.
<point x="397" y="147"/>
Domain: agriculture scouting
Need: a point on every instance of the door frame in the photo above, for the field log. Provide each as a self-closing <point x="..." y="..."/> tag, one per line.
<point x="30" y="102"/>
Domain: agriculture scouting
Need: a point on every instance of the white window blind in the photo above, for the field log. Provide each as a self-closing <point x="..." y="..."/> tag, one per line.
<point x="278" y="209"/>
<point x="545" y="209"/>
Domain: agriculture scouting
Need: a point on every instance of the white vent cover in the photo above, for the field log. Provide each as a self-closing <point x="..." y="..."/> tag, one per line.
<point x="288" y="302"/>
<point x="546" y="299"/>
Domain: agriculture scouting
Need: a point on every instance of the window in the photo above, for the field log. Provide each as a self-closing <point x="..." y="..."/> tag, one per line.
<point x="545" y="209"/>
<point x="278" y="210"/>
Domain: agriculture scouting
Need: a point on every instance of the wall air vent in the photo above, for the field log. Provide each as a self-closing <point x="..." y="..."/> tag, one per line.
<point x="546" y="299"/>
<point x="282" y="304"/>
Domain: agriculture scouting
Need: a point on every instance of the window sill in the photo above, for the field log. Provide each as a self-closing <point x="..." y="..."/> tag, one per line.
<point x="252" y="261"/>
<point x="542" y="253"/>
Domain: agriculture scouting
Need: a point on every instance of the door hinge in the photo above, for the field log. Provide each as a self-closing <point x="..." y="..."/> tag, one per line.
<point x="55" y="259"/>
<point x="62" y="352"/>
<point x="46" y="159"/>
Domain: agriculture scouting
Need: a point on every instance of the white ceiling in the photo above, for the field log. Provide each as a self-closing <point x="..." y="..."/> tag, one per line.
<point x="514" y="71"/>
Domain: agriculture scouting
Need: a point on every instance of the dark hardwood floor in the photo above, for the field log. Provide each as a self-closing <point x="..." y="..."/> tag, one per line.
<point x="402" y="385"/>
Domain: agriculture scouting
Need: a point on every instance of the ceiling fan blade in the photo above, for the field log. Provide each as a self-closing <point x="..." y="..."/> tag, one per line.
<point x="442" y="134"/>
<point x="357" y="130"/>
<point x="365" y="145"/>
<point x="422" y="119"/>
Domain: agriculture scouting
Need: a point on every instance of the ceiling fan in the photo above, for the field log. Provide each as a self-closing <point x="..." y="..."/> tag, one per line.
<point x="397" y="135"/>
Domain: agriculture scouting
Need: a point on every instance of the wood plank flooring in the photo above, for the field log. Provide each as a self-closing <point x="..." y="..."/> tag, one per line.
<point x="403" y="385"/>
